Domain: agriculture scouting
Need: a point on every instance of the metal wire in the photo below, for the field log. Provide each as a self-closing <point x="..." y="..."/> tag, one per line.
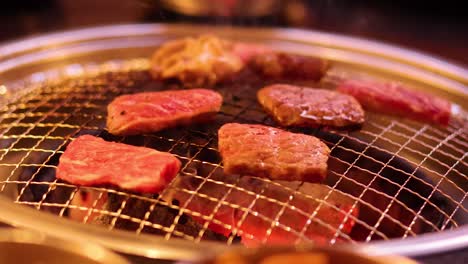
<point x="418" y="165"/>
<point x="426" y="164"/>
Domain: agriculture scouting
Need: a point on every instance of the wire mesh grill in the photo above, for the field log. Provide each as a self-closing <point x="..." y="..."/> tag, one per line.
<point x="407" y="178"/>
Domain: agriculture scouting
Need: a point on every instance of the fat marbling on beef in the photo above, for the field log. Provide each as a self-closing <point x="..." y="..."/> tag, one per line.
<point x="396" y="99"/>
<point x="153" y="111"/>
<point x="91" y="161"/>
<point x="306" y="107"/>
<point x="272" y="153"/>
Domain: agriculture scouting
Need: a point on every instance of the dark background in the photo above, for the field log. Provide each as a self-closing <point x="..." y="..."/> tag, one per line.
<point x="439" y="27"/>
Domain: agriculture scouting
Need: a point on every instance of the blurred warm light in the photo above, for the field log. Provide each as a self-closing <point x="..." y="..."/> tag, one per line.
<point x="3" y="89"/>
<point x="222" y="8"/>
<point x="296" y="12"/>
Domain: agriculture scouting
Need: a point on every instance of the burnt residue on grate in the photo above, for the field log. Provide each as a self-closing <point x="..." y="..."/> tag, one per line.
<point x="407" y="177"/>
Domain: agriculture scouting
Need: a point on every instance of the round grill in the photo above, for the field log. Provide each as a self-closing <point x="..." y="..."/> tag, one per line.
<point x="406" y="177"/>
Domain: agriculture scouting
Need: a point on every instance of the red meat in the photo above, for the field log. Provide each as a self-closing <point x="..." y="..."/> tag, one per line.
<point x="306" y="107"/>
<point x="280" y="65"/>
<point x="247" y="51"/>
<point x="272" y="153"/>
<point x="396" y="99"/>
<point x="153" y="111"/>
<point x="91" y="161"/>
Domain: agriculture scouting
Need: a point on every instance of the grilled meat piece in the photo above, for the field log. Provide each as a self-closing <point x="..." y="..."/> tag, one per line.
<point x="205" y="60"/>
<point x="396" y="99"/>
<point x="153" y="111"/>
<point x="91" y="161"/>
<point x="272" y="153"/>
<point x="251" y="217"/>
<point x="247" y="51"/>
<point x="301" y="106"/>
<point x="280" y="65"/>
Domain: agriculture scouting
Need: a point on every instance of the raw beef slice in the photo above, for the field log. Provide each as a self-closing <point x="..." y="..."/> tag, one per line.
<point x="153" y="111"/>
<point x="396" y="99"/>
<point x="306" y="107"/>
<point x="91" y="161"/>
<point x="263" y="151"/>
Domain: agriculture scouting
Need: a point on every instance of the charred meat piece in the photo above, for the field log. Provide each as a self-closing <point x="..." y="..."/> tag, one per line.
<point x="272" y="153"/>
<point x="91" y="161"/>
<point x="153" y="111"/>
<point x="396" y="99"/>
<point x="306" y="107"/>
<point x="253" y="216"/>
<point x="280" y="65"/>
<point x="205" y="60"/>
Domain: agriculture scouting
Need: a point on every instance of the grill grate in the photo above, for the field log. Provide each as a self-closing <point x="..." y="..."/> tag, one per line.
<point x="408" y="178"/>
